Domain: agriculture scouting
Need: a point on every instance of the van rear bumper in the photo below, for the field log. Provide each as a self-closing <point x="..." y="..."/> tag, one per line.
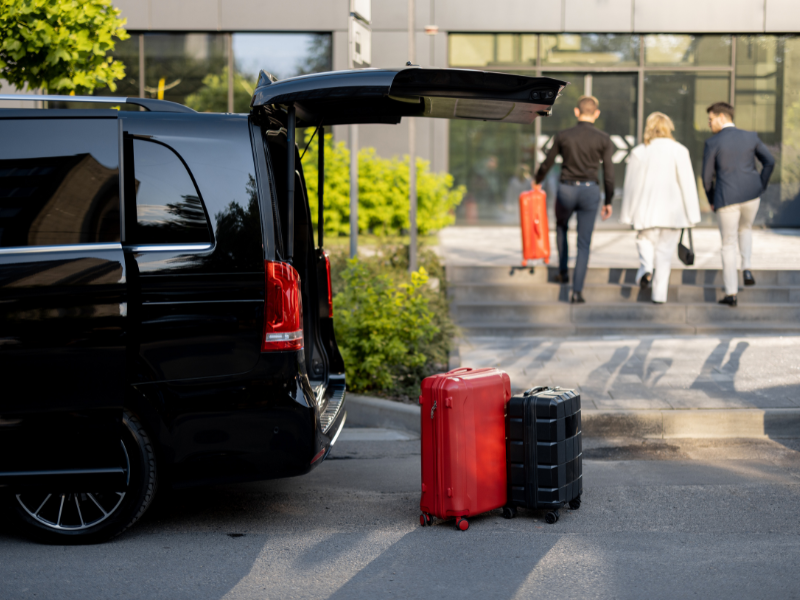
<point x="263" y="424"/>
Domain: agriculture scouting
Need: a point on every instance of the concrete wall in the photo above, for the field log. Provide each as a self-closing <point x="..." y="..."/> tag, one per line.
<point x="235" y="15"/>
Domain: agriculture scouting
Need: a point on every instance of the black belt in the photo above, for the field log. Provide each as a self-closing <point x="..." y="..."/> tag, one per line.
<point x="575" y="182"/>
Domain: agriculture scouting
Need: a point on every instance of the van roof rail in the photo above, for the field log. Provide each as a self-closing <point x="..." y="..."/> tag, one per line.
<point x="146" y="103"/>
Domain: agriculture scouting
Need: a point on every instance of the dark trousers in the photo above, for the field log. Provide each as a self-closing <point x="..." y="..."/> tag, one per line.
<point x="582" y="199"/>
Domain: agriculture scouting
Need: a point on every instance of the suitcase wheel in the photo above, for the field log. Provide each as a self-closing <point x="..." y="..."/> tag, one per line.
<point x="422" y="521"/>
<point x="509" y="512"/>
<point x="462" y="524"/>
<point x="551" y="517"/>
<point x="575" y="503"/>
<point x="426" y="519"/>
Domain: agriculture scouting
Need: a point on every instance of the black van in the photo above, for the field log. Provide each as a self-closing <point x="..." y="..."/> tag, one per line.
<point x="165" y="312"/>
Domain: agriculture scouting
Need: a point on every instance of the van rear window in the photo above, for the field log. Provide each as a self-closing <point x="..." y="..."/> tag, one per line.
<point x="169" y="209"/>
<point x="59" y="182"/>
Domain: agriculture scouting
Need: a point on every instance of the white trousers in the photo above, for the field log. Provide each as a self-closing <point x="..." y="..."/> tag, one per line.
<point x="736" y="222"/>
<point x="656" y="247"/>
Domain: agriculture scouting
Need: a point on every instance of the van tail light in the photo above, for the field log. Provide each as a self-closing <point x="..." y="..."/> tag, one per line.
<point x="330" y="287"/>
<point x="283" y="310"/>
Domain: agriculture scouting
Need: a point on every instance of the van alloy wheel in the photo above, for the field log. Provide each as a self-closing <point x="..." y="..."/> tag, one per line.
<point x="89" y="517"/>
<point x="73" y="511"/>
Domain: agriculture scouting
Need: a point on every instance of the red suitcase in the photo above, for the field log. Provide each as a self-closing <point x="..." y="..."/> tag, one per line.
<point x="463" y="444"/>
<point x="533" y="220"/>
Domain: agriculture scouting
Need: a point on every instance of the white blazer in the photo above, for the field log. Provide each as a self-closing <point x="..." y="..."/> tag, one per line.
<point x="660" y="189"/>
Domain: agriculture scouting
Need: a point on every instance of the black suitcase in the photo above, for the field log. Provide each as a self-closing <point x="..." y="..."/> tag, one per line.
<point x="543" y="451"/>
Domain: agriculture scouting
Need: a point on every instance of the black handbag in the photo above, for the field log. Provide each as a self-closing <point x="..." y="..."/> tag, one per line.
<point x="686" y="254"/>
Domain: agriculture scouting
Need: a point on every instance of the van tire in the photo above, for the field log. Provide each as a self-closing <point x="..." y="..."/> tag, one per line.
<point x="137" y="497"/>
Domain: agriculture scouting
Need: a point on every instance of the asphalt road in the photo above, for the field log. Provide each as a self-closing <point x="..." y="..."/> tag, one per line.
<point x="667" y="519"/>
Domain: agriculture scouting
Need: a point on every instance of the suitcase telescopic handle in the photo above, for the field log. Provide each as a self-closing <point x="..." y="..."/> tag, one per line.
<point x="466" y="369"/>
<point x="535" y="390"/>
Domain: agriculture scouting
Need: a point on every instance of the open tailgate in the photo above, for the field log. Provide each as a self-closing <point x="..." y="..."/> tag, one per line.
<point x="388" y="95"/>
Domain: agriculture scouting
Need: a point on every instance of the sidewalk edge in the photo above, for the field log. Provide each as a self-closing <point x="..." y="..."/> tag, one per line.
<point x="367" y="411"/>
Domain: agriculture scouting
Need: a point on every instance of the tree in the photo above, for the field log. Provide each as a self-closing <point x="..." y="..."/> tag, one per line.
<point x="60" y="45"/>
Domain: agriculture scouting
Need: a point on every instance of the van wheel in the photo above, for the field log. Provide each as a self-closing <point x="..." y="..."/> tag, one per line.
<point x="59" y="517"/>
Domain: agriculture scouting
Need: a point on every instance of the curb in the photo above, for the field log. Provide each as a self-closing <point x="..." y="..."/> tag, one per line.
<point x="366" y="411"/>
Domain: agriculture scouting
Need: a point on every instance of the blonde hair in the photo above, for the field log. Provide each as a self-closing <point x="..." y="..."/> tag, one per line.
<point x="658" y="125"/>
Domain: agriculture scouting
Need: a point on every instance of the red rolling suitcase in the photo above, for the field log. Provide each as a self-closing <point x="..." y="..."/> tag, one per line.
<point x="535" y="230"/>
<point x="463" y="444"/>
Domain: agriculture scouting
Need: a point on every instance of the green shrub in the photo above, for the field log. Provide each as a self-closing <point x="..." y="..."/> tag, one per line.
<point x="382" y="191"/>
<point x="393" y="328"/>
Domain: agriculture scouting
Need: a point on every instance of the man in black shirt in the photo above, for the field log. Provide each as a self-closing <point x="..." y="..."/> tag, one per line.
<point x="582" y="148"/>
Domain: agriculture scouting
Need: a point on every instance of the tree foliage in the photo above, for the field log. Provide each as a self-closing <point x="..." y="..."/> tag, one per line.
<point x="382" y="191"/>
<point x="60" y="45"/>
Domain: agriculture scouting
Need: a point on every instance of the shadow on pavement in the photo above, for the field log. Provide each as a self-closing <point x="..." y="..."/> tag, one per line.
<point x="447" y="561"/>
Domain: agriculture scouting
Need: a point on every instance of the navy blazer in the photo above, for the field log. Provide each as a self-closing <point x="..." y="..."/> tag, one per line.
<point x="731" y="155"/>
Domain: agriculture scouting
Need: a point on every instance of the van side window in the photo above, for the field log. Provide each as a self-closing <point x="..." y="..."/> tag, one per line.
<point x="169" y="209"/>
<point x="59" y="182"/>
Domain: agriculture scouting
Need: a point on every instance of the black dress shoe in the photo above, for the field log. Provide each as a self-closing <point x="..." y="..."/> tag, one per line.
<point x="645" y="281"/>
<point x="729" y="300"/>
<point x="748" y="277"/>
<point x="577" y="298"/>
<point x="562" y="277"/>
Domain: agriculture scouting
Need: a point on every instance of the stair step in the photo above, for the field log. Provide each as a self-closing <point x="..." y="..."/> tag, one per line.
<point x="616" y="293"/>
<point x="459" y="274"/>
<point x="490" y="300"/>
<point x="592" y="313"/>
<point x="510" y="329"/>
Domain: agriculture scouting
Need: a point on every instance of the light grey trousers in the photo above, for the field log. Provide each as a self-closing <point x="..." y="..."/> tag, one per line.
<point x="656" y="248"/>
<point x="736" y="224"/>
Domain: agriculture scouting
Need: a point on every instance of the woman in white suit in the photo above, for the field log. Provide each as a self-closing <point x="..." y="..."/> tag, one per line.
<point x="659" y="199"/>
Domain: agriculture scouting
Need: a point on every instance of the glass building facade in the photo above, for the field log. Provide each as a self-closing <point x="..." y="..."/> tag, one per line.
<point x="632" y="76"/>
<point x="200" y="69"/>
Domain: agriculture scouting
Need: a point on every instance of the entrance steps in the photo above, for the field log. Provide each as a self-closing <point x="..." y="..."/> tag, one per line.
<point x="491" y="301"/>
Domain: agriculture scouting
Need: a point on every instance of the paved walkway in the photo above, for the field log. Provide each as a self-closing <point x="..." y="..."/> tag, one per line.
<point x="651" y="372"/>
<point x="492" y="246"/>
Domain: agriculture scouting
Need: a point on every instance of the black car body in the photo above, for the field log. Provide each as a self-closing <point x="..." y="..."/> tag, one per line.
<point x="159" y="275"/>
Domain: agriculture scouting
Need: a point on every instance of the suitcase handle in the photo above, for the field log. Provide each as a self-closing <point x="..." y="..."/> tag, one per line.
<point x="535" y="390"/>
<point x="460" y="369"/>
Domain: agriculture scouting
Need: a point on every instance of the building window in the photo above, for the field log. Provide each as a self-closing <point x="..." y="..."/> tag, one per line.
<point x="280" y="54"/>
<point x="192" y="68"/>
<point x="767" y="101"/>
<point x="184" y="66"/>
<point x="671" y="50"/>
<point x="684" y="96"/>
<point x="632" y="76"/>
<point x="492" y="50"/>
<point x="591" y="49"/>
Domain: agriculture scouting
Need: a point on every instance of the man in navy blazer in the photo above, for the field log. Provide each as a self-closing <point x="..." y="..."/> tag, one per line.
<point x="734" y="187"/>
